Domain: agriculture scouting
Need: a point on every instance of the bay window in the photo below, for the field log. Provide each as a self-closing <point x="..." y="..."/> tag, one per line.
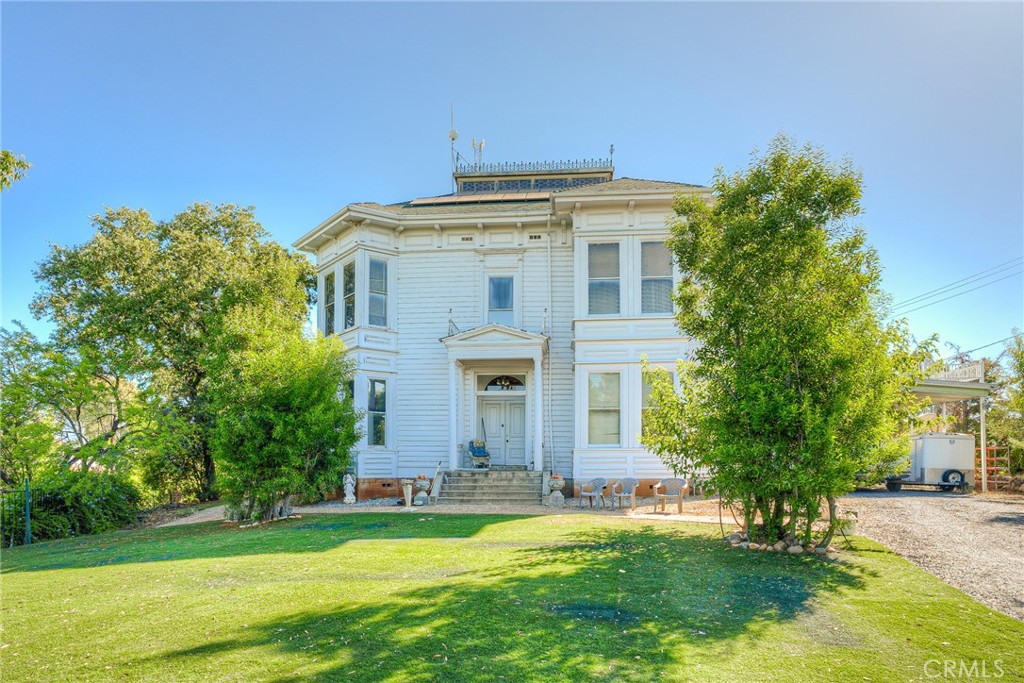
<point x="376" y="413"/>
<point x="348" y="295"/>
<point x="328" y="304"/>
<point x="378" y="299"/>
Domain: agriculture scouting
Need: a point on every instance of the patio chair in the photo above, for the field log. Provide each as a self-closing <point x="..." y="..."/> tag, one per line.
<point x="596" y="491"/>
<point x="674" y="488"/>
<point x="627" y="489"/>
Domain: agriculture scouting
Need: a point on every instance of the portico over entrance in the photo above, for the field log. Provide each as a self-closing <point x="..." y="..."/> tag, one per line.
<point x="495" y="393"/>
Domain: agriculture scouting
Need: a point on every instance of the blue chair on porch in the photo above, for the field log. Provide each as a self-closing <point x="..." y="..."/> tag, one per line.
<point x="478" y="453"/>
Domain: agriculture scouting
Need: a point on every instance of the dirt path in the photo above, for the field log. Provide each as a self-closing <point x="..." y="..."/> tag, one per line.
<point x="972" y="542"/>
<point x="695" y="511"/>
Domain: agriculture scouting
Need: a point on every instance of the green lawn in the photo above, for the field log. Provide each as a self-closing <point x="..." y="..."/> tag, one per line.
<point x="406" y="598"/>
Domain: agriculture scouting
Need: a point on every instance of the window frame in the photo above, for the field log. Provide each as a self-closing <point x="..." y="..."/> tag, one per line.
<point x="330" y="291"/>
<point x="370" y="292"/>
<point x="348" y="300"/>
<point x="670" y="277"/>
<point x="592" y="280"/>
<point x="372" y="411"/>
<point x="511" y="273"/>
<point x="591" y="409"/>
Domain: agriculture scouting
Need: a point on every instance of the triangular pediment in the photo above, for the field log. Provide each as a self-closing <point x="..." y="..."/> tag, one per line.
<point x="495" y="333"/>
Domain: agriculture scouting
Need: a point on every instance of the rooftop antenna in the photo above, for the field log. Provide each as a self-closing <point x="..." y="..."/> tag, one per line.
<point x="453" y="135"/>
<point x="611" y="155"/>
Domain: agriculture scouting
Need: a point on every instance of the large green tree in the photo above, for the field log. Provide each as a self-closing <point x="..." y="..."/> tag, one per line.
<point x="152" y="297"/>
<point x="798" y="384"/>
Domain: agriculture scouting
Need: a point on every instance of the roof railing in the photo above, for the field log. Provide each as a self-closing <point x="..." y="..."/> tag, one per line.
<point x="526" y="166"/>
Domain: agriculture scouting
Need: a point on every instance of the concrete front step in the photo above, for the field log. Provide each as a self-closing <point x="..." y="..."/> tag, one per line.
<point x="489" y="495"/>
<point x="488" y="501"/>
<point x="494" y="487"/>
<point x="498" y="476"/>
<point x="492" y="490"/>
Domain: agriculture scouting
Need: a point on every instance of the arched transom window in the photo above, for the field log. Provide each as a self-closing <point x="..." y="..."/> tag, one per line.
<point x="505" y="383"/>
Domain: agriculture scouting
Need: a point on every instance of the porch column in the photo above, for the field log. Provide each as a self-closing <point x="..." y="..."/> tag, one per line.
<point x="538" y="415"/>
<point x="984" y="447"/>
<point x="453" y="414"/>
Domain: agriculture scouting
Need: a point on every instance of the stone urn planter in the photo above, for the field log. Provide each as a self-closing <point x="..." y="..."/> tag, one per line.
<point x="555" y="486"/>
<point x="422" y="485"/>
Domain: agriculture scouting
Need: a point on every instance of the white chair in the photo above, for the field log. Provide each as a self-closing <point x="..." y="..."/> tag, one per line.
<point x="596" y="491"/>
<point x="674" y="488"/>
<point x="627" y="489"/>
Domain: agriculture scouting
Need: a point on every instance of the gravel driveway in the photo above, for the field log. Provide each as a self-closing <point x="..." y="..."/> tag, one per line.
<point x="972" y="542"/>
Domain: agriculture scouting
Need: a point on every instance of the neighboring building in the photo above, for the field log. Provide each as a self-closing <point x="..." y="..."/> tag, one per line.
<point x="517" y="308"/>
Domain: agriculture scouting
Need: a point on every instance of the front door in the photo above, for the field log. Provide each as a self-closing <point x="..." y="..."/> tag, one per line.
<point x="504" y="421"/>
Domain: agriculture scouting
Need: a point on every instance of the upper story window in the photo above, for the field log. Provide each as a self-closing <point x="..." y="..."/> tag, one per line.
<point x="378" y="308"/>
<point x="500" y="307"/>
<point x="329" y="303"/>
<point x="603" y="274"/>
<point x="655" y="278"/>
<point x="348" y="294"/>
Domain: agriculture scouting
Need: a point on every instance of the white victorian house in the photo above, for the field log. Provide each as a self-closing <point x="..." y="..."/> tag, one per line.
<point x="515" y="310"/>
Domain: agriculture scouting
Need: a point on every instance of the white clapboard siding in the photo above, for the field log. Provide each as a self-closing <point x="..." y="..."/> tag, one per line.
<point x="429" y="284"/>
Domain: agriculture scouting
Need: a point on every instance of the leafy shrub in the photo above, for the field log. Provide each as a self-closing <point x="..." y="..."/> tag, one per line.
<point x="68" y="503"/>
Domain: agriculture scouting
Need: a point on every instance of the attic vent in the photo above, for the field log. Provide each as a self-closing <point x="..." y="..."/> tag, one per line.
<point x="535" y="237"/>
<point x="468" y="238"/>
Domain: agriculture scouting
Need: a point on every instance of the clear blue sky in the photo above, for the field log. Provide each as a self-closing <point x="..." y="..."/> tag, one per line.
<point x="299" y="109"/>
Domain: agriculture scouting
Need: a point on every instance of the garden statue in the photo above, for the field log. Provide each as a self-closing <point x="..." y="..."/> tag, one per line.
<point x="349" y="483"/>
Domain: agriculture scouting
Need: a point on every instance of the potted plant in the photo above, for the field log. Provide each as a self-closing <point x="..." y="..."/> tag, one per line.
<point x="556" y="482"/>
<point x="422" y="483"/>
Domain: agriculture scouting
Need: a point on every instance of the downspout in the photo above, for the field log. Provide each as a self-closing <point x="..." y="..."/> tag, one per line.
<point x="551" y="324"/>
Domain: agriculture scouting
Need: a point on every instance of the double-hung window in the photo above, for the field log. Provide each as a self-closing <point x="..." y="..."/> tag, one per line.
<point x="376" y="413"/>
<point x="655" y="278"/>
<point x="329" y="304"/>
<point x="500" y="307"/>
<point x="603" y="407"/>
<point x="646" y="428"/>
<point x="378" y="309"/>
<point x="348" y="294"/>
<point x="603" y="276"/>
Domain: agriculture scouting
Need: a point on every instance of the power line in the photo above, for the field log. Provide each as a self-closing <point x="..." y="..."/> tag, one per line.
<point x="953" y="296"/>
<point x="964" y="353"/>
<point x="958" y="283"/>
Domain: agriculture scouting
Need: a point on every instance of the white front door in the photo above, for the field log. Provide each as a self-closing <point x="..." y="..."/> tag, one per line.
<point x="504" y="423"/>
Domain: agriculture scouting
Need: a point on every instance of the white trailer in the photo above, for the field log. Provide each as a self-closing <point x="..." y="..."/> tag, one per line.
<point x="942" y="460"/>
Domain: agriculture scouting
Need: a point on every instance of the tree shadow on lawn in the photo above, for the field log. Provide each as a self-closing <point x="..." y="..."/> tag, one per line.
<point x="225" y="539"/>
<point x="611" y="605"/>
